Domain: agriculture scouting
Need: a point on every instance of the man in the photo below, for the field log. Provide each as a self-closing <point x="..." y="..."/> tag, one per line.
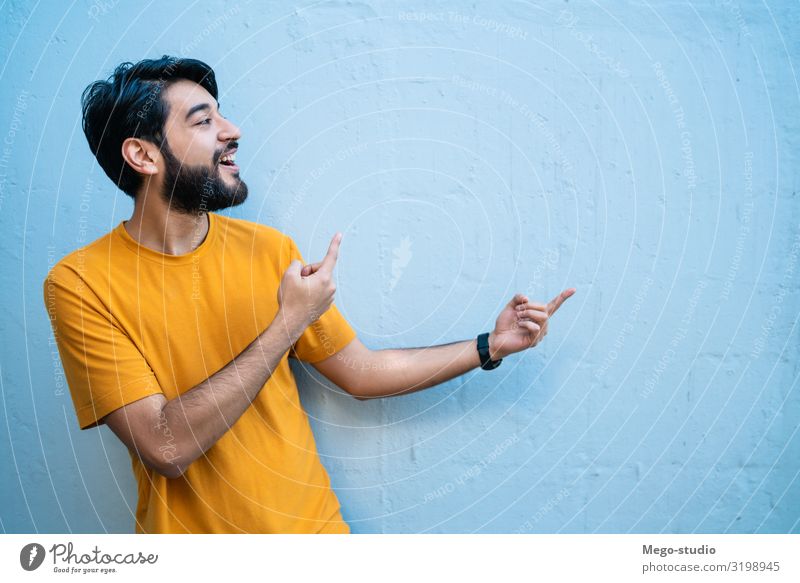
<point x="176" y="327"/>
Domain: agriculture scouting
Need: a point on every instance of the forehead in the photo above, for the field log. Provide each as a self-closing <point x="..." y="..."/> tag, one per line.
<point x="183" y="95"/>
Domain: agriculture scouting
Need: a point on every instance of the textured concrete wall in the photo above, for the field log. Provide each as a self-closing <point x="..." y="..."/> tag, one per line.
<point x="645" y="154"/>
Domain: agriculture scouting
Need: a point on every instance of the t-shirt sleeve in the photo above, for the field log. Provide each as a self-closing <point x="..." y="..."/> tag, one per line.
<point x="325" y="337"/>
<point x="103" y="367"/>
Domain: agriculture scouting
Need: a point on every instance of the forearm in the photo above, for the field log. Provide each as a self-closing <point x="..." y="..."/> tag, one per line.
<point x="202" y="415"/>
<point x="393" y="372"/>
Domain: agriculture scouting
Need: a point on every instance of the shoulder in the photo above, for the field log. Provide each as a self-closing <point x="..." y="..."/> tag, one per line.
<point x="256" y="235"/>
<point x="74" y="266"/>
<point x="252" y="228"/>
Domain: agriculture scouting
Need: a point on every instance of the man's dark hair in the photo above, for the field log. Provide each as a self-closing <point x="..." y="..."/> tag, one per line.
<point x="129" y="104"/>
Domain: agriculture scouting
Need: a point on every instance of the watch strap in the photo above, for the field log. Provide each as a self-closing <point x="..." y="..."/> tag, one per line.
<point x="483" y="351"/>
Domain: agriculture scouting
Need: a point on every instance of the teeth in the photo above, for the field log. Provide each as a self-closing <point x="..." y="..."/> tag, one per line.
<point x="228" y="158"/>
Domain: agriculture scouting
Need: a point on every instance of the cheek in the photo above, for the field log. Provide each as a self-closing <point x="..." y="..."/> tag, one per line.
<point x="192" y="149"/>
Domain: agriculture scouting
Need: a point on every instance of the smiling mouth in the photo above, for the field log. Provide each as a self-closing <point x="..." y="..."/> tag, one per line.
<point x="229" y="158"/>
<point x="228" y="161"/>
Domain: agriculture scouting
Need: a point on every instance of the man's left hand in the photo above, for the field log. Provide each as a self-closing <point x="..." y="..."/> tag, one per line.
<point x="522" y="324"/>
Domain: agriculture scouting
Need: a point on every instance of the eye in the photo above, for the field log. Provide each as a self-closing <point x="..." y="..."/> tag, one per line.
<point x="204" y="122"/>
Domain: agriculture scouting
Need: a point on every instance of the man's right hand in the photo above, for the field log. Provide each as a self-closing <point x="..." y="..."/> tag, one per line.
<point x="307" y="292"/>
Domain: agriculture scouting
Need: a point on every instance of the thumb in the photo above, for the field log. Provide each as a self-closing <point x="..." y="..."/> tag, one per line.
<point x="294" y="267"/>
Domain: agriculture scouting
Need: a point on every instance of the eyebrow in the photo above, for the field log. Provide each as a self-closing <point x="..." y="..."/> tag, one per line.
<point x="198" y="107"/>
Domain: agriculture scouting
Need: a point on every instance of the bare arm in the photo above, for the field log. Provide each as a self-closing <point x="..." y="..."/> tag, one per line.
<point x="168" y="435"/>
<point x="200" y="416"/>
<point x="370" y="374"/>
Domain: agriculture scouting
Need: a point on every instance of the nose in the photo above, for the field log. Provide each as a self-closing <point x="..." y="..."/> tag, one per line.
<point x="229" y="131"/>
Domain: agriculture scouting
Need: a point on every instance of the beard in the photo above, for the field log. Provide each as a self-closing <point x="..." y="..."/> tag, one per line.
<point x="194" y="189"/>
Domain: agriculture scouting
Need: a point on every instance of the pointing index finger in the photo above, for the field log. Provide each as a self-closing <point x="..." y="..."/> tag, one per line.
<point x="556" y="302"/>
<point x="333" y="253"/>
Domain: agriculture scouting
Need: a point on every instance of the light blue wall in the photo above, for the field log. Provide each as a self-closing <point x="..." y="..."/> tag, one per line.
<point x="646" y="155"/>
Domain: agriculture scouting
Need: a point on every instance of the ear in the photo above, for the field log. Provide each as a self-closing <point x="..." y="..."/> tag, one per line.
<point x="140" y="155"/>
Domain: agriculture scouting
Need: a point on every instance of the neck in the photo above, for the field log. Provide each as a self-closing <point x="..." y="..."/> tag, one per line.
<point x="156" y="226"/>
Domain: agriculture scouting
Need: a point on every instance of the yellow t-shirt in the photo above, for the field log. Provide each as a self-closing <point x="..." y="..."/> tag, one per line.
<point x="131" y="322"/>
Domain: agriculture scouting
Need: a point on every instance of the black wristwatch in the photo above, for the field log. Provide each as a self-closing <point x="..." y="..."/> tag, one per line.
<point x="483" y="351"/>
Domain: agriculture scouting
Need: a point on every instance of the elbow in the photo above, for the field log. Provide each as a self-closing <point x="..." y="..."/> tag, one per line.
<point x="162" y="468"/>
<point x="355" y="388"/>
<point x="171" y="457"/>
<point x="358" y="393"/>
<point x="358" y="396"/>
<point x="170" y="471"/>
<point x="166" y="463"/>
